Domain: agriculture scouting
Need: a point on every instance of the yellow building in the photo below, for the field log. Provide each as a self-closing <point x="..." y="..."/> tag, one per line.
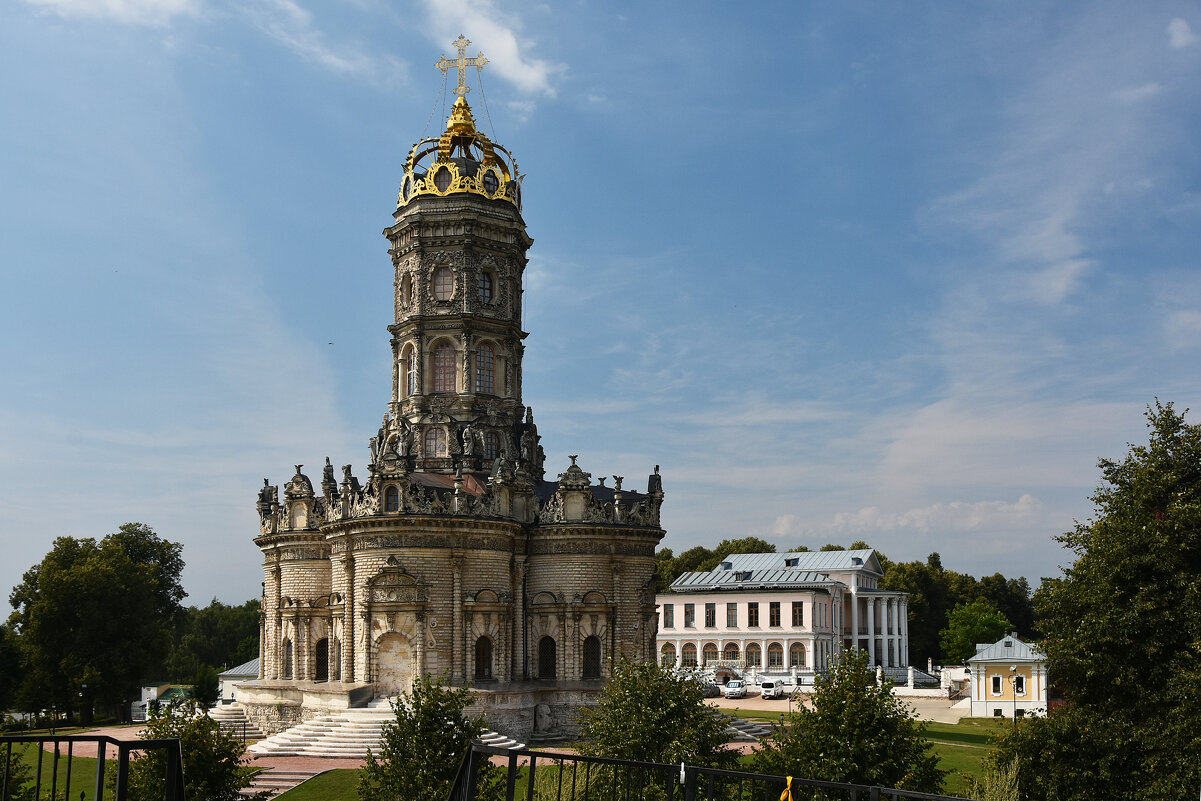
<point x="1009" y="679"/>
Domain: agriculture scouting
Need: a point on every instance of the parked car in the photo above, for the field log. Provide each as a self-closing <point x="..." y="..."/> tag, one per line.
<point x="769" y="688"/>
<point x="709" y="689"/>
<point x="735" y="689"/>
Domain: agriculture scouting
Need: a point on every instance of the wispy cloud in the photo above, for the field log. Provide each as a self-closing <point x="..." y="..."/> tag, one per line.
<point x="495" y="34"/>
<point x="135" y="12"/>
<point x="957" y="516"/>
<point x="1180" y="33"/>
<point x="1137" y="93"/>
<point x="293" y="26"/>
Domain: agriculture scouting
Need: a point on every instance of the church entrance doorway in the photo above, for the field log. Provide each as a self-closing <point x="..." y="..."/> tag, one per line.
<point x="321" y="657"/>
<point x="395" y="660"/>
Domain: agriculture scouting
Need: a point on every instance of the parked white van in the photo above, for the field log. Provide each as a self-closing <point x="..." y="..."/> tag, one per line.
<point x="770" y="688"/>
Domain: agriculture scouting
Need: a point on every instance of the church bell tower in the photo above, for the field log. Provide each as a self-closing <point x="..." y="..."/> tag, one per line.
<point x="458" y="248"/>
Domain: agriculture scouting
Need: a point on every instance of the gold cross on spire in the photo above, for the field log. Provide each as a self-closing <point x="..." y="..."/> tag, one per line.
<point x="462" y="63"/>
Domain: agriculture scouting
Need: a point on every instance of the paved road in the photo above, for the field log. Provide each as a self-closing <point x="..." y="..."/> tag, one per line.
<point x="932" y="709"/>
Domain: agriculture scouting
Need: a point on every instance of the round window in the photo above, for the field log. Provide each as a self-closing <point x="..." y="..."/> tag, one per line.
<point x="444" y="283"/>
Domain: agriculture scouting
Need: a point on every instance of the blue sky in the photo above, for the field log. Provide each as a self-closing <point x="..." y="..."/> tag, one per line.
<point x="880" y="271"/>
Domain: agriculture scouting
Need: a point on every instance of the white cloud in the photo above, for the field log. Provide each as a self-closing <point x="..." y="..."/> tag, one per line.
<point x="494" y="34"/>
<point x="292" y="26"/>
<point x="1137" y="93"/>
<point x="1183" y="329"/>
<point x="136" y="12"/>
<point x="1180" y="33"/>
<point x="953" y="516"/>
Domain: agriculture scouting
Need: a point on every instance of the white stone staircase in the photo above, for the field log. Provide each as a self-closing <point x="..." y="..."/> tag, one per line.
<point x="274" y="781"/>
<point x="348" y="733"/>
<point x="232" y="718"/>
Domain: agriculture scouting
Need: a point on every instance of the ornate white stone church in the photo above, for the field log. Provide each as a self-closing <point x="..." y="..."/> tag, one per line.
<point x="452" y="555"/>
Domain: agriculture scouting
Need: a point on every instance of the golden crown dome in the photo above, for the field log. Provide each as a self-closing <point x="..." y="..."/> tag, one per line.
<point x="462" y="159"/>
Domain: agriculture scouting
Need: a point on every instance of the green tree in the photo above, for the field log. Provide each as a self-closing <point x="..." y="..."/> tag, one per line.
<point x="213" y="766"/>
<point x="424" y="746"/>
<point x="650" y="713"/>
<point x="969" y="623"/>
<point x="857" y="731"/>
<point x="1123" y="634"/>
<point x="10" y="668"/>
<point x="92" y="618"/>
<point x="929" y="591"/>
<point x="217" y="635"/>
<point x="206" y="687"/>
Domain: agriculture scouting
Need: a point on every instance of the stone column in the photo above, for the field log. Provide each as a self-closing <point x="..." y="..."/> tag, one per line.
<point x="457" y="667"/>
<point x="871" y="630"/>
<point x="854" y="620"/>
<point x="348" y="615"/>
<point x="420" y="655"/>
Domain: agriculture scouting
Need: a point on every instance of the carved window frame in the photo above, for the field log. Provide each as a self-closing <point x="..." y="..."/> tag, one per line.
<point x="442" y="283"/>
<point x="434" y="444"/>
<point x="485" y="369"/>
<point x="446" y="364"/>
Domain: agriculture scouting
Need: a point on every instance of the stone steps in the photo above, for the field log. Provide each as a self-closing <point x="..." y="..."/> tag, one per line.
<point x="350" y="733"/>
<point x="275" y="781"/>
<point x="232" y="718"/>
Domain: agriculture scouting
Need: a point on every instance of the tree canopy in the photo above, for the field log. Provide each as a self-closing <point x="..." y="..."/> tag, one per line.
<point x="423" y="747"/>
<point x="857" y="731"/>
<point x="650" y="713"/>
<point x="977" y="621"/>
<point x="218" y="636"/>
<point x="92" y="618"/>
<point x="1123" y="634"/>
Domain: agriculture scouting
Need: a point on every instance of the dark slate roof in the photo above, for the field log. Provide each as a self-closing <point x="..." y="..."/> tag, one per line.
<point x="769" y="579"/>
<point x="794" y="569"/>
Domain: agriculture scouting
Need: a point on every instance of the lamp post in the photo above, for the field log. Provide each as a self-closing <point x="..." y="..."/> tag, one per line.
<point x="1013" y="685"/>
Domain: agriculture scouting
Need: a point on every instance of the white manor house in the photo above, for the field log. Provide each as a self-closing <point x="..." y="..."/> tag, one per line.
<point x="783" y="613"/>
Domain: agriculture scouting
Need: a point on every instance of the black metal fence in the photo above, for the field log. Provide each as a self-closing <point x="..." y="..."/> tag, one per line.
<point x="55" y="756"/>
<point x="544" y="776"/>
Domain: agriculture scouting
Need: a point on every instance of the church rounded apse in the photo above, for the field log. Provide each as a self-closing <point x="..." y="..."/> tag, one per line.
<point x="453" y="556"/>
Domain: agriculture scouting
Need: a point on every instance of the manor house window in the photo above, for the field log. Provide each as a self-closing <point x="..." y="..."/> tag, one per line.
<point x="710" y="615"/>
<point x="752" y="614"/>
<point x="689" y="616"/>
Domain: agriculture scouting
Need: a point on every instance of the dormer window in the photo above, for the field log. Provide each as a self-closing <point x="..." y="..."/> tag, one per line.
<point x="793" y="562"/>
<point x="742" y="575"/>
<point x="727" y="565"/>
<point x="855" y="560"/>
<point x="1009" y="643"/>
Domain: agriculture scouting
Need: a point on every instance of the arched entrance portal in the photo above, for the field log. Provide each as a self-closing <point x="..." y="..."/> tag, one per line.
<point x="394" y="658"/>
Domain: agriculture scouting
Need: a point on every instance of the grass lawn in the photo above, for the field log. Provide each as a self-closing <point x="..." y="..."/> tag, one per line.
<point x="961" y="749"/>
<point x="83" y="771"/>
<point x="333" y="785"/>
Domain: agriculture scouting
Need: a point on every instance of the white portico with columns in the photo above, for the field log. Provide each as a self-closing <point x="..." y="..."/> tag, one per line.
<point x="783" y="613"/>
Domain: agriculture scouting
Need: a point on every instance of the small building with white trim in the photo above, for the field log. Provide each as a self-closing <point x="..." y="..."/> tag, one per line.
<point x="1009" y="679"/>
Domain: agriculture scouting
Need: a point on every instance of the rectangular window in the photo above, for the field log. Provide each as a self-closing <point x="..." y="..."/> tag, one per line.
<point x="996" y="685"/>
<point x="1019" y="685"/>
<point x="731" y="616"/>
<point x="798" y="614"/>
<point x="752" y="614"/>
<point x="689" y="616"/>
<point x="710" y="615"/>
<point x="669" y="616"/>
<point x="773" y="613"/>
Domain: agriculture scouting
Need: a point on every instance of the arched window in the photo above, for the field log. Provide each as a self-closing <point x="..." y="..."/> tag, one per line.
<point x="796" y="655"/>
<point x="547" y="655"/>
<point x="435" y="442"/>
<point x="410" y="372"/>
<point x="444" y="368"/>
<point x="491" y="445"/>
<point x="775" y="655"/>
<point x="754" y="655"/>
<point x="287" y="671"/>
<point x="688" y="655"/>
<point x="321" y="657"/>
<point x="392" y="499"/>
<point x="731" y="652"/>
<point x="592" y="657"/>
<point x="667" y="656"/>
<point x="406" y="289"/>
<point x="485" y="370"/>
<point x="709" y="653"/>
<point x="483" y="658"/>
<point x="484" y="284"/>
<point x="444" y="283"/>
